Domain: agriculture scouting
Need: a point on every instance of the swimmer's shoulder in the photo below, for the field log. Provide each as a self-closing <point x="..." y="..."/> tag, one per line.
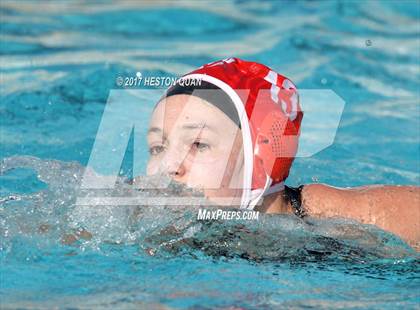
<point x="322" y="200"/>
<point x="323" y="193"/>
<point x="392" y="208"/>
<point x="326" y="200"/>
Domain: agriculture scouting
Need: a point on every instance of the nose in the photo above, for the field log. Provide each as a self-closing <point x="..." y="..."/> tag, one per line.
<point x="175" y="170"/>
<point x="173" y="165"/>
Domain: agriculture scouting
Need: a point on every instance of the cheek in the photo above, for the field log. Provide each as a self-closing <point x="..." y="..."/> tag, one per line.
<point x="208" y="175"/>
<point x="152" y="167"/>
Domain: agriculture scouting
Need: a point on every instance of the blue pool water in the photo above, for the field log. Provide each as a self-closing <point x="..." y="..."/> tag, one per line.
<point x="59" y="61"/>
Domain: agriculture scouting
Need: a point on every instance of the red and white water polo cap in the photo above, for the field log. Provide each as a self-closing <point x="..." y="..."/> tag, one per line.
<point x="270" y="115"/>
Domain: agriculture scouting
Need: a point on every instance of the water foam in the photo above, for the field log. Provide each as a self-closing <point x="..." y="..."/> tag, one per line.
<point x="52" y="216"/>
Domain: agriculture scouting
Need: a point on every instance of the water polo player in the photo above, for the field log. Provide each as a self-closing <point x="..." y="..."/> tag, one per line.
<point x="235" y="134"/>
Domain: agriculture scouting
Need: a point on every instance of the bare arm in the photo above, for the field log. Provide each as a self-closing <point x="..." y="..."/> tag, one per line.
<point x="392" y="208"/>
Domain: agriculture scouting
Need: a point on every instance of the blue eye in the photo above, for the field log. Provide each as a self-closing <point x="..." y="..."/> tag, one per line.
<point x="155" y="150"/>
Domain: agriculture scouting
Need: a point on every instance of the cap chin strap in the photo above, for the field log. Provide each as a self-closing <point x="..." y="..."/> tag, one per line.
<point x="257" y="194"/>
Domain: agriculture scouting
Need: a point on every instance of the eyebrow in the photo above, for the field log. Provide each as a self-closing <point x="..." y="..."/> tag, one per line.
<point x="187" y="127"/>
<point x="198" y="126"/>
<point x="154" y="129"/>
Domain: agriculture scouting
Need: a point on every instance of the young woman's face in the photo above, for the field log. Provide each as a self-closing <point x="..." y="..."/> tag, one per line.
<point x="197" y="144"/>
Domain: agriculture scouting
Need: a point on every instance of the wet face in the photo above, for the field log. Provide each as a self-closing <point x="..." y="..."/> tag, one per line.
<point x="197" y="144"/>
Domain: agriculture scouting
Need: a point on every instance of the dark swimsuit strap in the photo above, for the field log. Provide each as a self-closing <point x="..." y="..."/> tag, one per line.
<point x="294" y="195"/>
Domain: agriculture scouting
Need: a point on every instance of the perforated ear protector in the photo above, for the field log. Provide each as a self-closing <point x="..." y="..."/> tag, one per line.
<point x="273" y="147"/>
